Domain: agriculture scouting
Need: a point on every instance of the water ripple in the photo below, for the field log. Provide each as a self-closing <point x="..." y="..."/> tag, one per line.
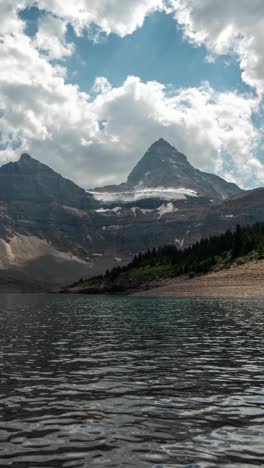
<point x="113" y="382"/>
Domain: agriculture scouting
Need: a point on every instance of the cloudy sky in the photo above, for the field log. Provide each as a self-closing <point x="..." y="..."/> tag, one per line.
<point x="87" y="85"/>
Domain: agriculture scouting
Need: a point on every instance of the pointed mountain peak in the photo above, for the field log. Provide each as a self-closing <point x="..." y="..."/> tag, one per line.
<point x="158" y="164"/>
<point x="161" y="141"/>
<point x="163" y="148"/>
<point x="161" y="145"/>
<point x="29" y="180"/>
<point x="25" y="157"/>
<point x="27" y="160"/>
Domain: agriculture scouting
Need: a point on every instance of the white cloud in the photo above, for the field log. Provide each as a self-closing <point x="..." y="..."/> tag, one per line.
<point x="109" y="16"/>
<point x="204" y="124"/>
<point x="10" y="22"/>
<point x="61" y="125"/>
<point x="50" y="37"/>
<point x="235" y="26"/>
<point x="98" y="139"/>
<point x="117" y="16"/>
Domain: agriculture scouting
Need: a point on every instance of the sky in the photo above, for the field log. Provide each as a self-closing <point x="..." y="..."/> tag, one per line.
<point x="86" y="86"/>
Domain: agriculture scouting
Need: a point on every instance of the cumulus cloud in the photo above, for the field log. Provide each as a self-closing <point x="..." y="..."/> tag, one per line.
<point x="50" y="37"/>
<point x="236" y="26"/>
<point x="10" y="22"/>
<point x="202" y="123"/>
<point x="98" y="138"/>
<point x="117" y="16"/>
<point x="62" y="126"/>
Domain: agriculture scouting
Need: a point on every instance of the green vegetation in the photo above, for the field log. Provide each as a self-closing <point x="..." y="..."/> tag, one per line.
<point x="217" y="252"/>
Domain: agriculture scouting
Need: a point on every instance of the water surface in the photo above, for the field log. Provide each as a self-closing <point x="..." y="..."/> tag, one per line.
<point x="130" y="382"/>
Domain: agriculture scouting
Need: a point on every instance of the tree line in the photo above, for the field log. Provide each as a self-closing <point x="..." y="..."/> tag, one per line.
<point x="202" y="256"/>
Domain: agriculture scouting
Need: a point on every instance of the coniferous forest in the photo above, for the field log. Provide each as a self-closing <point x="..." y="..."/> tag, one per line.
<point x="217" y="252"/>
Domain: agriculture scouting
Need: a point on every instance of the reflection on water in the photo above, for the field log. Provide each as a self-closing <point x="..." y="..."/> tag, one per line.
<point x="133" y="382"/>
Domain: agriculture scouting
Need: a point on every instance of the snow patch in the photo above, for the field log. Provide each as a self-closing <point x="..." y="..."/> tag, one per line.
<point x="179" y="242"/>
<point x="116" y="210"/>
<point x="112" y="228"/>
<point x="166" y="208"/>
<point x="141" y="194"/>
<point x="135" y="209"/>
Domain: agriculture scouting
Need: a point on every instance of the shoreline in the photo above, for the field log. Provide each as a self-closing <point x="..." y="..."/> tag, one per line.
<point x="244" y="281"/>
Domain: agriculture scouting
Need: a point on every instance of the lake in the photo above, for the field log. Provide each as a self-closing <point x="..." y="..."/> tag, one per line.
<point x="130" y="382"/>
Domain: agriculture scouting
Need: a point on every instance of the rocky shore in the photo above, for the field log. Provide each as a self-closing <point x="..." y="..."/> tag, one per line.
<point x="244" y="281"/>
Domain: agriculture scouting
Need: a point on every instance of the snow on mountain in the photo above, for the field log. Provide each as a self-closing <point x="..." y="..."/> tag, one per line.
<point x="162" y="193"/>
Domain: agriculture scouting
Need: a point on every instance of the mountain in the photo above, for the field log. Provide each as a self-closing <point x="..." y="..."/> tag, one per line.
<point x="39" y="210"/>
<point x="165" y="166"/>
<point x="166" y="173"/>
<point x="212" y="255"/>
<point x="53" y="232"/>
<point x="28" y="180"/>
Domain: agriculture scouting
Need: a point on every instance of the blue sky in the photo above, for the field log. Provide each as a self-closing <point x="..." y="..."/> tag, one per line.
<point x="190" y="72"/>
<point x="157" y="51"/>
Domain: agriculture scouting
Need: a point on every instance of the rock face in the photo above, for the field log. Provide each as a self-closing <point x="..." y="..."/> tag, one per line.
<point x="164" y="167"/>
<point x="28" y="180"/>
<point x="52" y="232"/>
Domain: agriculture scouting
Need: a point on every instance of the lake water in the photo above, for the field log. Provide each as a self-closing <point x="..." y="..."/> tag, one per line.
<point x="130" y="382"/>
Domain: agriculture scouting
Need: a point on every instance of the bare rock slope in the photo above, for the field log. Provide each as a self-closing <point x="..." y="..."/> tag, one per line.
<point x="53" y="232"/>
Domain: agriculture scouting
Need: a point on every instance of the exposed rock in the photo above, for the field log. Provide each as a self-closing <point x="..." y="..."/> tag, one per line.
<point x="163" y="166"/>
<point x="28" y="180"/>
<point x="52" y="231"/>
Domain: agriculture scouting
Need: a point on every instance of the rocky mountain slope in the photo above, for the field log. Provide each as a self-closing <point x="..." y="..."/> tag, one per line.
<point x="28" y="180"/>
<point x="53" y="232"/>
<point x="149" y="270"/>
<point x="166" y="173"/>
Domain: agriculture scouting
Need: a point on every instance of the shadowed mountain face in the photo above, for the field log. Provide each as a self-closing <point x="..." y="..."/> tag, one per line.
<point x="164" y="167"/>
<point x="52" y="232"/>
<point x="28" y="180"/>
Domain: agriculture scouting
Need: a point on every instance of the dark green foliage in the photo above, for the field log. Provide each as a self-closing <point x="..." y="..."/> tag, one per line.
<point x="243" y="244"/>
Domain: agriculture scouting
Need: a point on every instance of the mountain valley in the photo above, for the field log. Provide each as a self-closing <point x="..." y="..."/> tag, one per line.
<point x="53" y="232"/>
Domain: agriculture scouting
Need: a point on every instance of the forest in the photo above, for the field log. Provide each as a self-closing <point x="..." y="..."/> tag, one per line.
<point x="212" y="254"/>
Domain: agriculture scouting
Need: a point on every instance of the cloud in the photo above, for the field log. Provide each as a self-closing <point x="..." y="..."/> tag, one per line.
<point x="210" y="127"/>
<point x="98" y="138"/>
<point x="10" y="22"/>
<point x="50" y="37"/>
<point x="112" y="16"/>
<point x="236" y="26"/>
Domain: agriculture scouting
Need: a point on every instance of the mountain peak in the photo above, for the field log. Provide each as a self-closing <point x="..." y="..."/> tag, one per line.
<point x="25" y="157"/>
<point x="161" y="141"/>
<point x="27" y="161"/>
<point x="158" y="164"/>
<point x="31" y="181"/>
<point x="165" y="166"/>
<point x="162" y="144"/>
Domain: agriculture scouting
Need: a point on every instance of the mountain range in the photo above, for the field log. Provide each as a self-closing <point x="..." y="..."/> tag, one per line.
<point x="163" y="168"/>
<point x="53" y="232"/>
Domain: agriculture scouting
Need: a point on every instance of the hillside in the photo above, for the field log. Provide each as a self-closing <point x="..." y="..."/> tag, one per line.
<point x="236" y="281"/>
<point x="165" y="173"/>
<point x="208" y="255"/>
<point x="52" y="231"/>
